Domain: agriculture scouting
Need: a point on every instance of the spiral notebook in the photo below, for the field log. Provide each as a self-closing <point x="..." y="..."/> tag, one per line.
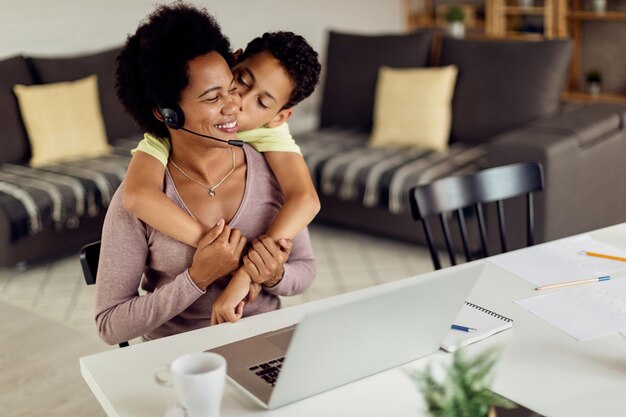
<point x="486" y="323"/>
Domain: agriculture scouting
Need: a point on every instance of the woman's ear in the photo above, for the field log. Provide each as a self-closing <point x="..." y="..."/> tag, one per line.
<point x="280" y="118"/>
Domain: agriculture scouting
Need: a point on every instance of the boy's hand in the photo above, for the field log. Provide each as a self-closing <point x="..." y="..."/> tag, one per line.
<point x="253" y="293"/>
<point x="229" y="305"/>
<point x="265" y="260"/>
<point x="218" y="254"/>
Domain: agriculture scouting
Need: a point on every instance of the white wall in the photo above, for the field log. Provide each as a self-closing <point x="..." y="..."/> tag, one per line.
<point x="68" y="26"/>
<point x="61" y="27"/>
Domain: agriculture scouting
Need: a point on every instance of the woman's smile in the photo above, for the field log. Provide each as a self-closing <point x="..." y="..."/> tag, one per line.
<point x="228" y="127"/>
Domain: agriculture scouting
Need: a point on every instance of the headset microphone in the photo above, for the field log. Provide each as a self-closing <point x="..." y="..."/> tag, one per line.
<point x="174" y="118"/>
<point x="238" y="143"/>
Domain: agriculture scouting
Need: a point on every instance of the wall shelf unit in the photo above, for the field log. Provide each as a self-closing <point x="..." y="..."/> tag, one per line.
<point x="575" y="16"/>
<point x="558" y="19"/>
<point x="505" y="19"/>
<point x="425" y="14"/>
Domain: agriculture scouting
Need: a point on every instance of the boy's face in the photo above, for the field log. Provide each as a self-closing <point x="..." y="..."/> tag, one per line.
<point x="264" y="87"/>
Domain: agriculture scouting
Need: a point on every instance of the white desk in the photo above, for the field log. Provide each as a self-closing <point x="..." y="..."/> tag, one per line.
<point x="540" y="366"/>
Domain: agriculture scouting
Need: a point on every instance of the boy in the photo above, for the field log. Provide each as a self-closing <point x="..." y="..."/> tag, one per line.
<point x="273" y="74"/>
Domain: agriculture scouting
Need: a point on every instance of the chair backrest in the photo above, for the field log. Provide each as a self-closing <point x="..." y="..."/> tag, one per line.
<point x="463" y="194"/>
<point x="89" y="257"/>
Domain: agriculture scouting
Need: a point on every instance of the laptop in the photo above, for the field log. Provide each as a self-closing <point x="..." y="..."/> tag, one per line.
<point x="371" y="330"/>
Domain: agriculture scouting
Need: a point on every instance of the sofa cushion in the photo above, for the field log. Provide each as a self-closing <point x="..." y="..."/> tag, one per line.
<point x="413" y="107"/>
<point x="63" y="120"/>
<point x="345" y="167"/>
<point x="117" y="122"/>
<point x="14" y="143"/>
<point x="352" y="65"/>
<point x="503" y="84"/>
<point x="60" y="196"/>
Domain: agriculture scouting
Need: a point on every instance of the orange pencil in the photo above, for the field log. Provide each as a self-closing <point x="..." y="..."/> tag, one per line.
<point x="601" y="255"/>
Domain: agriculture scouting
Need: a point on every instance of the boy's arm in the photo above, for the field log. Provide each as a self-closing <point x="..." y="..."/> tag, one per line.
<point x="301" y="201"/>
<point x="229" y="305"/>
<point x="143" y="196"/>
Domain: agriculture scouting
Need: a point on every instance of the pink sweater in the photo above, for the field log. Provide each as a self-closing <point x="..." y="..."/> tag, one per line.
<point x="174" y="304"/>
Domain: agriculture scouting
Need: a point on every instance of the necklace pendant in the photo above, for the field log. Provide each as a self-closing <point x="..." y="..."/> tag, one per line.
<point x="211" y="192"/>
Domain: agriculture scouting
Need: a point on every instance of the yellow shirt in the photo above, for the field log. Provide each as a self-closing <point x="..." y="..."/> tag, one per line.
<point x="263" y="139"/>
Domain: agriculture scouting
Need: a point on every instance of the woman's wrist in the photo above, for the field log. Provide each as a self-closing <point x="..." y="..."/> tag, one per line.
<point x="202" y="284"/>
<point x="274" y="281"/>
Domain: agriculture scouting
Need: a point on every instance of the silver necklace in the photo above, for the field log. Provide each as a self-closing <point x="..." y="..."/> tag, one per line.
<point x="208" y="187"/>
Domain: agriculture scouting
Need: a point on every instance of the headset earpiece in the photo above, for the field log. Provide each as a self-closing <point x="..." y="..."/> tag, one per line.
<point x="173" y="116"/>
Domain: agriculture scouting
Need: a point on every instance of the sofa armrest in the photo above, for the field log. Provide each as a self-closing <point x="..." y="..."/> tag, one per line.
<point x="583" y="153"/>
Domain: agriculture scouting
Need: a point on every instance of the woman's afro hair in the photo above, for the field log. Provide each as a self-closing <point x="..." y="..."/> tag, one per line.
<point x="152" y="65"/>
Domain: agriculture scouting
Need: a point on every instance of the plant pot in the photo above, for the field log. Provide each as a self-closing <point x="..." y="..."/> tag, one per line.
<point x="598" y="6"/>
<point x="594" y="88"/>
<point x="456" y="29"/>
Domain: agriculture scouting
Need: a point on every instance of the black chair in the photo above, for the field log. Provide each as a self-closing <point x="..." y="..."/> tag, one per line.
<point x="89" y="257"/>
<point x="466" y="194"/>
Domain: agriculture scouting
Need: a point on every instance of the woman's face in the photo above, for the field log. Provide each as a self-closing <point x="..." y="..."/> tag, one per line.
<point x="211" y="101"/>
<point x="264" y="87"/>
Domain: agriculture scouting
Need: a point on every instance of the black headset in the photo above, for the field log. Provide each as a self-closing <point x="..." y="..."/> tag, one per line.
<point x="174" y="118"/>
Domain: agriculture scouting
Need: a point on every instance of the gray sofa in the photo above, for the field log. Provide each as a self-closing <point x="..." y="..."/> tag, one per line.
<point x="506" y="108"/>
<point x="55" y="209"/>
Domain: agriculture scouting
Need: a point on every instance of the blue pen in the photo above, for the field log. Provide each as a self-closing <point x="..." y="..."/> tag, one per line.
<point x="463" y="328"/>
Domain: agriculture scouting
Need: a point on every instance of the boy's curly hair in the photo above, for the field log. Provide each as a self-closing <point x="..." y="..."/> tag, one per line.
<point x="295" y="55"/>
<point x="152" y="65"/>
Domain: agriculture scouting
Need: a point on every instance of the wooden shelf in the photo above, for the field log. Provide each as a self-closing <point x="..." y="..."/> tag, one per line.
<point x="582" y="97"/>
<point x="427" y="16"/>
<point x="523" y="11"/>
<point x="521" y="35"/>
<point x="500" y="16"/>
<point x="575" y="15"/>
<point x="590" y="15"/>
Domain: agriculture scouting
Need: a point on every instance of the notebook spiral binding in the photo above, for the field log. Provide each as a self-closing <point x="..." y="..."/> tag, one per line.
<point x="491" y="313"/>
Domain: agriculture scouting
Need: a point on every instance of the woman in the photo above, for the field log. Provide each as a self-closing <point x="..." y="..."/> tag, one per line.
<point x="179" y="57"/>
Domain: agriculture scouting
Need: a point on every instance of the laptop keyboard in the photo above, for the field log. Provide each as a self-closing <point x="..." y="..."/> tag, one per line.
<point x="268" y="371"/>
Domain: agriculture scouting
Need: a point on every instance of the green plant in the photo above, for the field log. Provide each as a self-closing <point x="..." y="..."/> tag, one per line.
<point x="465" y="389"/>
<point x="593" y="76"/>
<point x="455" y="14"/>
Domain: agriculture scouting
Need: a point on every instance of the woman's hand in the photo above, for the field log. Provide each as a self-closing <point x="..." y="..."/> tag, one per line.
<point x="265" y="260"/>
<point x="218" y="254"/>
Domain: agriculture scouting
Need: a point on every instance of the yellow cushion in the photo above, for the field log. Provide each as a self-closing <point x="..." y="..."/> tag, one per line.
<point x="413" y="106"/>
<point x="63" y="120"/>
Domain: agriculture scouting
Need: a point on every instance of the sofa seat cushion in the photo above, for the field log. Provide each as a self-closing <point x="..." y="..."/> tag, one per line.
<point x="344" y="166"/>
<point x="60" y="195"/>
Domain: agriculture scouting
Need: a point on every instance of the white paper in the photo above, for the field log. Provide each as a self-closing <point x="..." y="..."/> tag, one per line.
<point x="584" y="312"/>
<point x="561" y="261"/>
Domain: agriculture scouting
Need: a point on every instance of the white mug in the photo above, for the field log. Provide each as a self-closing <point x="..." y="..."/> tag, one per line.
<point x="198" y="379"/>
